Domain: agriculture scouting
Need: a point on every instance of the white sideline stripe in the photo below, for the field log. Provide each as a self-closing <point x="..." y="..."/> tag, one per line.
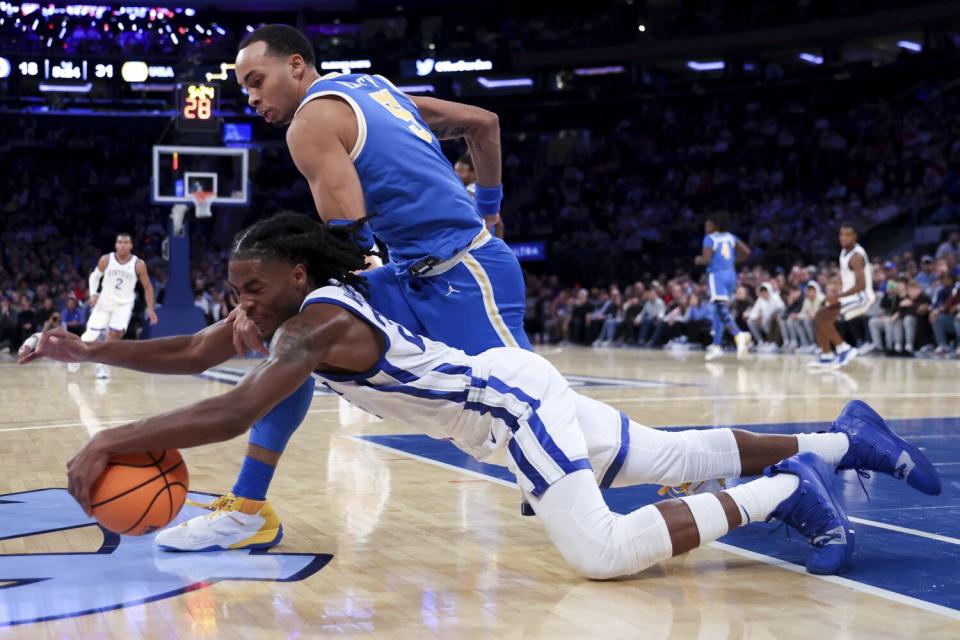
<point x="843" y="582"/>
<point x="906" y="530"/>
<point x="66" y="425"/>
<point x="776" y="562"/>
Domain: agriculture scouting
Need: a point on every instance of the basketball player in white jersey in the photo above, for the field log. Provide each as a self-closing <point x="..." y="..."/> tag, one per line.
<point x="854" y="299"/>
<point x="115" y="276"/>
<point x="297" y="280"/>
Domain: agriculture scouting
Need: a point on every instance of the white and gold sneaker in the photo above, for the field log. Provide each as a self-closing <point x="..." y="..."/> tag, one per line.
<point x="233" y="523"/>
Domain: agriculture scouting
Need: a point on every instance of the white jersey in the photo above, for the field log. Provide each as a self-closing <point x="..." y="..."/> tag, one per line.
<point x="119" y="281"/>
<point x="848" y="278"/>
<point x="419" y="382"/>
<point x="502" y="399"/>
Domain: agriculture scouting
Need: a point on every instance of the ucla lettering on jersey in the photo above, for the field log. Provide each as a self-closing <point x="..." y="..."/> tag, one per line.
<point x="417" y="204"/>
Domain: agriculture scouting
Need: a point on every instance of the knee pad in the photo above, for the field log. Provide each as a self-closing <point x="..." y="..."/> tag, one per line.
<point x="658" y="456"/>
<point x="597" y="543"/>
<point x="621" y="545"/>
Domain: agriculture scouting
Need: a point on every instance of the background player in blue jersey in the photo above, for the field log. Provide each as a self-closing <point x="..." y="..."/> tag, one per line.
<point x="721" y="252"/>
<point x="369" y="151"/>
<point x="299" y="280"/>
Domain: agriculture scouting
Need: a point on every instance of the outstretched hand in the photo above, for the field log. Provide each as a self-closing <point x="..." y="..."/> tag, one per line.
<point x="56" y="344"/>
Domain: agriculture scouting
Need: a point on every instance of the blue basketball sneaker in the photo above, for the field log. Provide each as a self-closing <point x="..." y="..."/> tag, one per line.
<point x="814" y="512"/>
<point x="875" y="447"/>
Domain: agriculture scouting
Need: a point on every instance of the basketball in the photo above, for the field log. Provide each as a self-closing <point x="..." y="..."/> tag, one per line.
<point x="140" y="492"/>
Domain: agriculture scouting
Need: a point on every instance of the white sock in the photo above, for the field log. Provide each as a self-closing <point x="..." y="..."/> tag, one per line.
<point x="831" y="447"/>
<point x="757" y="499"/>
<point x="709" y="515"/>
<point x="843" y="347"/>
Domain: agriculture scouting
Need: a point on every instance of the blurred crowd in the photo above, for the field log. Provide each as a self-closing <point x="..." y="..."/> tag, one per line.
<point x="616" y="203"/>
<point x="917" y="308"/>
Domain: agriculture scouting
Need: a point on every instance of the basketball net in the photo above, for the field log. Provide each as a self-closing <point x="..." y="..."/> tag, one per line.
<point x="201" y="203"/>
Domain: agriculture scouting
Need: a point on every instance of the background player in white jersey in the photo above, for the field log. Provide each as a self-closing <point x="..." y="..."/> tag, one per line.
<point x="853" y="300"/>
<point x="115" y="277"/>
<point x="297" y="281"/>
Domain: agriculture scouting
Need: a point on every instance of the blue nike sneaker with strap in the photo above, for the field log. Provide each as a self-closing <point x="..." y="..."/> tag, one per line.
<point x="875" y="447"/>
<point x="815" y="513"/>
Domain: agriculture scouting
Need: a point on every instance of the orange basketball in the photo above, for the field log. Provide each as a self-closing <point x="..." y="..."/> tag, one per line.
<point x="140" y="492"/>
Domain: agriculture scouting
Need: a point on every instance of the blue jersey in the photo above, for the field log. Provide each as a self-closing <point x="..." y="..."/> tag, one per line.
<point x="416" y="203"/>
<point x="724" y="247"/>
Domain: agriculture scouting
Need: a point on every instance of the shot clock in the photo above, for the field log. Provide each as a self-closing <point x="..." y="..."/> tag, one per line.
<point x="198" y="104"/>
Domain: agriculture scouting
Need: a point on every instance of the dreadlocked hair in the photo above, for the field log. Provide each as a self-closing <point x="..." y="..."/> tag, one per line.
<point x="327" y="253"/>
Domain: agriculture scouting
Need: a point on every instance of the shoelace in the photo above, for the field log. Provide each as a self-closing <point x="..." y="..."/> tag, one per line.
<point x="875" y="457"/>
<point x="223" y="503"/>
<point x="814" y="519"/>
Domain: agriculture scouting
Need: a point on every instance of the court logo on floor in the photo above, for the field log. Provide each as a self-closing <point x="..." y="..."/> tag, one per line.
<point x="123" y="572"/>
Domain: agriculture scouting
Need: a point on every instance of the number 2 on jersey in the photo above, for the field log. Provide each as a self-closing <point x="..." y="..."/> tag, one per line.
<point x="385" y="99"/>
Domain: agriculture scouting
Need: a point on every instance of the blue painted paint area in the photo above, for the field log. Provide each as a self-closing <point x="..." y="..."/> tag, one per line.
<point x="903" y="563"/>
<point x="125" y="570"/>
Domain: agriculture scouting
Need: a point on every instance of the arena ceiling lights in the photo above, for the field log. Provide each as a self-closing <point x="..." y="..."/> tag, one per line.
<point x="712" y="65"/>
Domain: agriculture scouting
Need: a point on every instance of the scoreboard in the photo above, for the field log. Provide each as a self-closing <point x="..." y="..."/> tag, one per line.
<point x="39" y="76"/>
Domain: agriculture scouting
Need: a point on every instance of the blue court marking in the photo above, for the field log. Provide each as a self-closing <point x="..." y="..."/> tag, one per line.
<point x="233" y="375"/>
<point x="902" y="562"/>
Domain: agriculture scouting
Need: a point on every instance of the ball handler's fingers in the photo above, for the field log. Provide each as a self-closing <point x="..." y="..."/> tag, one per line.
<point x="28" y="350"/>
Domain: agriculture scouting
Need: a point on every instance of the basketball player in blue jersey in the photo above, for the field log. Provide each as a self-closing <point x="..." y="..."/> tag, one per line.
<point x="368" y="151"/>
<point x="296" y="279"/>
<point x="721" y="252"/>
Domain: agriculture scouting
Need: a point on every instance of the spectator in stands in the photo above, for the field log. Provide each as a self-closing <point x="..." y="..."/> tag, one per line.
<point x="789" y="320"/>
<point x="610" y="315"/>
<point x="945" y="318"/>
<point x="886" y="329"/>
<point x="654" y="309"/>
<point x="73" y="317"/>
<point x="8" y="326"/>
<point x="927" y="276"/>
<point x="762" y="319"/>
<point x="697" y="321"/>
<point x="812" y="301"/>
<point x="951" y="247"/>
<point x="607" y="307"/>
<point x="915" y="309"/>
<point x="582" y="307"/>
<point x="46" y="311"/>
<point x="558" y="321"/>
<point x="26" y="320"/>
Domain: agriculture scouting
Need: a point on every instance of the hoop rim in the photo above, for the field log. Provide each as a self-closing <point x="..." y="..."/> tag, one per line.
<point x="201" y="197"/>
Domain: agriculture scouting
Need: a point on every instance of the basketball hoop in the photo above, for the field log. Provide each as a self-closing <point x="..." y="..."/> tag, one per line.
<point x="202" y="200"/>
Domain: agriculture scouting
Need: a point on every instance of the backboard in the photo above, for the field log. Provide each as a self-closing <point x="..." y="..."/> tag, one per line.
<point x="179" y="171"/>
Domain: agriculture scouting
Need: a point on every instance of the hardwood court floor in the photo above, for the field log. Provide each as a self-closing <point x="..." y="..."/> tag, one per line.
<point x="424" y="550"/>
